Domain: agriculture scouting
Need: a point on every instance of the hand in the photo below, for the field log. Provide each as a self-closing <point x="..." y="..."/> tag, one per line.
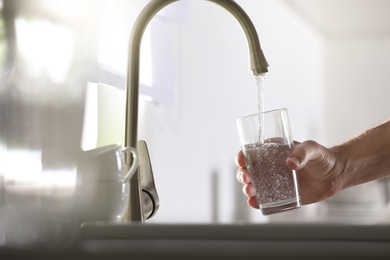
<point x="316" y="170"/>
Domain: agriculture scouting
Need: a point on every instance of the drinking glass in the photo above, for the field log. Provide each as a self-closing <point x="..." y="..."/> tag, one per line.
<point x="266" y="142"/>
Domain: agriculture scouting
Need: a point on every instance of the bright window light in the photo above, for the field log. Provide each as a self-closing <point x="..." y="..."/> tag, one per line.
<point x="48" y="47"/>
<point x="113" y="43"/>
<point x="23" y="168"/>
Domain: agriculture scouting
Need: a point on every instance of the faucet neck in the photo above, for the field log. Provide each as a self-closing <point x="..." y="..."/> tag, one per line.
<point x="258" y="65"/>
<point x="258" y="62"/>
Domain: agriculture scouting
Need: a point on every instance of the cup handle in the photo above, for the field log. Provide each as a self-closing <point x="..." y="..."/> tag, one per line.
<point x="134" y="165"/>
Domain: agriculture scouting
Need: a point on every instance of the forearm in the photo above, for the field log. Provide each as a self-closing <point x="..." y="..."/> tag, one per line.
<point x="364" y="158"/>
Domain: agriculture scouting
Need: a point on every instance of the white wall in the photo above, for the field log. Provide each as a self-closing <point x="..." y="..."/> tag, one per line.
<point x="356" y="90"/>
<point x="194" y="141"/>
<point x="357" y="98"/>
<point x="358" y="85"/>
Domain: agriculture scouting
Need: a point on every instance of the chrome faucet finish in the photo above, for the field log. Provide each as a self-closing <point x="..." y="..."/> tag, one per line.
<point x="258" y="65"/>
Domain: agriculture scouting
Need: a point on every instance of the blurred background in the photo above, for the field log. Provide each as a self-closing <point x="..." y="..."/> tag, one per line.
<point x="329" y="63"/>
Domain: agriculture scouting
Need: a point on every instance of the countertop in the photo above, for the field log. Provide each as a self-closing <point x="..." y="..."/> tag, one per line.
<point x="220" y="241"/>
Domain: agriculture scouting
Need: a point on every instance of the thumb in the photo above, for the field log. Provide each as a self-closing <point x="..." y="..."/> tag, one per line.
<point x="303" y="153"/>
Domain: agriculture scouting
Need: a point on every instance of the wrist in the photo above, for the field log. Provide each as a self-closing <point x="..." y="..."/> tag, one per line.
<point x="341" y="177"/>
<point x="363" y="159"/>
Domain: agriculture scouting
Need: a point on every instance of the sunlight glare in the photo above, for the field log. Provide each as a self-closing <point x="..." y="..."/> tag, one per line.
<point x="48" y="47"/>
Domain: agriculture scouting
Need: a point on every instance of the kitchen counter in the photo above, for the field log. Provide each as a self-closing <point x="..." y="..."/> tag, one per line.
<point x="205" y="241"/>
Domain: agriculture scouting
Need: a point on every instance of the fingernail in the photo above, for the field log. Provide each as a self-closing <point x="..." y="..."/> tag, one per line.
<point x="240" y="177"/>
<point x="295" y="161"/>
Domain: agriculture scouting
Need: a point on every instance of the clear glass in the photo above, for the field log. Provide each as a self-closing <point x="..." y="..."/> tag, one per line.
<point x="266" y="147"/>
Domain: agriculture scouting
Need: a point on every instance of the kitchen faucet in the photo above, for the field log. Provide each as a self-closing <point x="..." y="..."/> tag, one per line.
<point x="144" y="200"/>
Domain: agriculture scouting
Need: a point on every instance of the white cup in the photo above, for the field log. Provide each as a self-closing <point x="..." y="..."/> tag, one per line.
<point x="52" y="212"/>
<point x="102" y="183"/>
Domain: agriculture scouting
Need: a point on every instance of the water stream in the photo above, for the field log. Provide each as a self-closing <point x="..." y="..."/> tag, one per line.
<point x="260" y="80"/>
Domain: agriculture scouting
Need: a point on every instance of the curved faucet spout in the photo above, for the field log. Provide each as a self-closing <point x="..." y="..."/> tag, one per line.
<point x="258" y="65"/>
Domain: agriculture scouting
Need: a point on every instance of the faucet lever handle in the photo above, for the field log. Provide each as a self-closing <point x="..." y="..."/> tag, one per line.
<point x="150" y="199"/>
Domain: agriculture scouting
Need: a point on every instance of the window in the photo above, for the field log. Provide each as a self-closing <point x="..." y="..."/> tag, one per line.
<point x="156" y="65"/>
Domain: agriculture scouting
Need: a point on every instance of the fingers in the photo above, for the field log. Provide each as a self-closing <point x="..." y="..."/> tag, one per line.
<point x="243" y="176"/>
<point x="240" y="160"/>
<point x="253" y="203"/>
<point x="249" y="190"/>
